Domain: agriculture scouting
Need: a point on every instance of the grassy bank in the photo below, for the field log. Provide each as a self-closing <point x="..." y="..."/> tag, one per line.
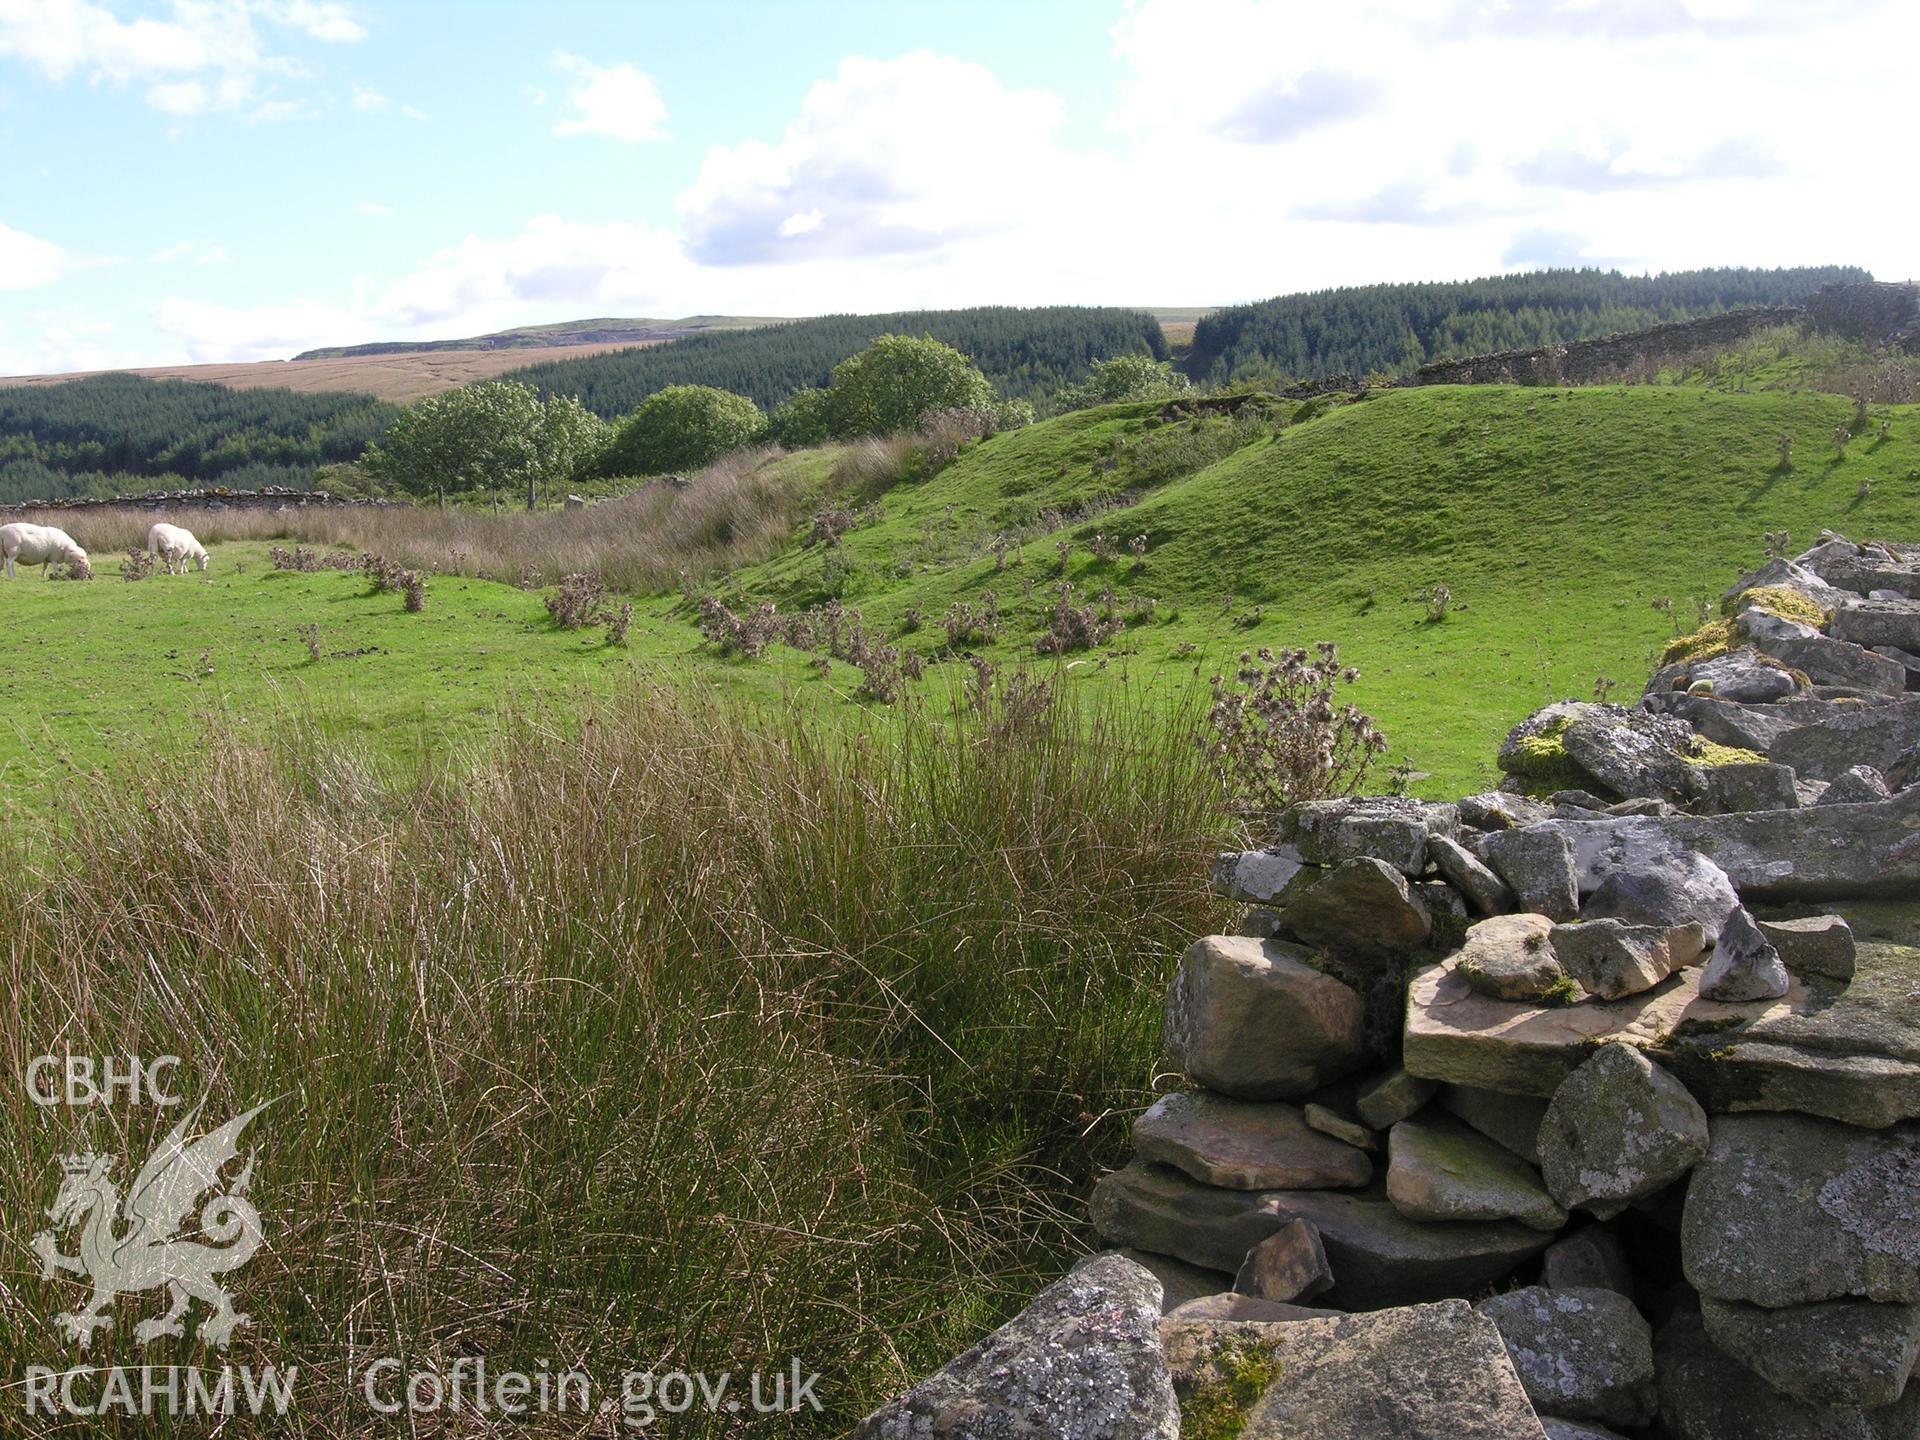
<point x="697" y="1041"/>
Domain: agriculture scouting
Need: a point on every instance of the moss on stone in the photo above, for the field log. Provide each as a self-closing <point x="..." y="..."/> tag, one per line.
<point x="1779" y="601"/>
<point x="1709" y="756"/>
<point x="1564" y="991"/>
<point x="1543" y="763"/>
<point x="1710" y="640"/>
<point x="1217" y="1408"/>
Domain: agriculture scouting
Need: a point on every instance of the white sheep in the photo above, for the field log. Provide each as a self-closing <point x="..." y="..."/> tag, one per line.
<point x="42" y="545"/>
<point x="175" y="547"/>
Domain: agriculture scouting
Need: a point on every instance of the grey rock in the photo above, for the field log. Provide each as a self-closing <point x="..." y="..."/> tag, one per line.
<point x="1557" y="716"/>
<point x="1538" y="864"/>
<point x="1823" y="659"/>
<point x="1743" y="675"/>
<point x="1619" y="1129"/>
<point x="1634" y="753"/>
<point x="1819" y="853"/>
<point x="1707" y="1395"/>
<point x="1789" y="1210"/>
<point x="1379" y="1257"/>
<point x="1179" y="1281"/>
<point x="1759" y="785"/>
<point x="1726" y="722"/>
<point x="1389" y="828"/>
<point x="1424" y="1370"/>
<point x="1864" y="569"/>
<point x="1838" y="1352"/>
<point x="1440" y="1170"/>
<point x="1878" y="622"/>
<point x="1288" y="1266"/>
<point x="1643" y="807"/>
<point x="1441" y="900"/>
<point x="1259" y="923"/>
<point x="1203" y="1319"/>
<point x="1589" y="1259"/>
<point x="1814" y="945"/>
<point x="1860" y="785"/>
<point x="1664" y="888"/>
<point x="1745" y="966"/>
<point x="1510" y="1121"/>
<point x="1260" y="877"/>
<point x="1331" y="1122"/>
<point x="1256" y="1021"/>
<point x="1850" y="735"/>
<point x="1386" y="1100"/>
<point x="1496" y="810"/>
<point x="1510" y="956"/>
<point x="1584" y="800"/>
<point x="1784" y="575"/>
<point x="1612" y="958"/>
<point x="1583" y="1353"/>
<point x="1361" y="908"/>
<point x="1904" y="772"/>
<point x="1245" y="1144"/>
<point x="1082" y="1362"/>
<point x="1463" y="870"/>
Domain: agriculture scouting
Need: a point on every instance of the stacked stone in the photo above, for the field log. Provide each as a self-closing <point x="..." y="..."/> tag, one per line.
<point x="1560" y="1114"/>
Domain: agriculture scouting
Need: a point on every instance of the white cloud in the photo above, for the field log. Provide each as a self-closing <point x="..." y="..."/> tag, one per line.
<point x="617" y="101"/>
<point x="207" y="333"/>
<point x="205" y="55"/>
<point x="198" y="252"/>
<point x="27" y="262"/>
<point x="369" y="100"/>
<point x="881" y="162"/>
<point x="373" y="207"/>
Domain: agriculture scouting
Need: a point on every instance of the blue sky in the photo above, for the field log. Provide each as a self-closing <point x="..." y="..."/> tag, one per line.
<point x="201" y="180"/>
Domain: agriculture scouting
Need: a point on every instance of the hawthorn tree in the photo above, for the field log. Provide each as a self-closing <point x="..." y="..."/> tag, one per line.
<point x="493" y="436"/>
<point x="682" y="428"/>
<point x="897" y="379"/>
<point x="1124" y="377"/>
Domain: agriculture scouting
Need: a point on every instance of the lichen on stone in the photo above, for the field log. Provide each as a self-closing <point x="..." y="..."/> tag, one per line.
<point x="1779" y="601"/>
<point x="1708" y="755"/>
<point x="1543" y="763"/>
<point x="1711" y="640"/>
<point x="1216" y="1409"/>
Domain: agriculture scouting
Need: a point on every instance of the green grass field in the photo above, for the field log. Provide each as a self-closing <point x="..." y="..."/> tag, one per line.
<point x="1556" y="519"/>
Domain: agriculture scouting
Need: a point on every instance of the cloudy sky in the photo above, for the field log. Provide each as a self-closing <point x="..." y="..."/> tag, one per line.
<point x="202" y="180"/>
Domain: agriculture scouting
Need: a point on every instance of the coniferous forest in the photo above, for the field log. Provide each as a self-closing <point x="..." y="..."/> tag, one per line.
<point x="1025" y="353"/>
<point x="1368" y="329"/>
<point x="109" y="434"/>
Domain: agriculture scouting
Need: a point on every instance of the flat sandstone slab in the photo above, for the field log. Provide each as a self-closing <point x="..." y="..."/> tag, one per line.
<point x="1848" y="1053"/>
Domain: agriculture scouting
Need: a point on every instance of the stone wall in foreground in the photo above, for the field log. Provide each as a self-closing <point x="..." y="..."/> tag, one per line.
<point x="1586" y="1107"/>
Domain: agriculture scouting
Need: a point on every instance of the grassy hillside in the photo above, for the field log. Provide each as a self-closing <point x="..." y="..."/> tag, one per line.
<point x="1556" y="519"/>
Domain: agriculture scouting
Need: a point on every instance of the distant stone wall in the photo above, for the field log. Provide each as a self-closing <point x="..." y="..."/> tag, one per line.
<point x="274" y="497"/>
<point x="1873" y="312"/>
<point x="1585" y="361"/>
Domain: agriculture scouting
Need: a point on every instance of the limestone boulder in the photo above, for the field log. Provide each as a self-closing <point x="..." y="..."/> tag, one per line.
<point x="1497" y="810"/>
<point x="1752" y="785"/>
<point x="1179" y="1281"/>
<point x="1512" y="957"/>
<point x="1823" y="659"/>
<point x="1850" y="735"/>
<point x="1538" y="865"/>
<point x="1857" y="785"/>
<point x="1510" y="1121"/>
<point x="1441" y="1170"/>
<point x="1839" y="1352"/>
<point x="1814" y="945"/>
<point x="1587" y="1354"/>
<point x="1389" y="828"/>
<point x="1790" y="1210"/>
<point x="1613" y="958"/>
<point x="1634" y="753"/>
<point x="1378" y="1256"/>
<point x="1361" y="908"/>
<point x="1258" y="877"/>
<point x="1255" y="1020"/>
<point x="1485" y="891"/>
<point x="1083" y="1360"/>
<point x="1619" y="1129"/>
<point x="1664" y="888"/>
<point x="1745" y="965"/>
<point x="1288" y="1266"/>
<point x="1589" y="1259"/>
<point x="1743" y="675"/>
<point x="1705" y="1394"/>
<point x="1245" y="1144"/>
<point x="1894" y="623"/>
<point x="1386" y="1100"/>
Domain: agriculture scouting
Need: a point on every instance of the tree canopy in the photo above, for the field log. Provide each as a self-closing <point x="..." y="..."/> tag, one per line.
<point x="494" y="436"/>
<point x="896" y="380"/>
<point x="1124" y="377"/>
<point x="682" y="428"/>
<point x="1397" y="328"/>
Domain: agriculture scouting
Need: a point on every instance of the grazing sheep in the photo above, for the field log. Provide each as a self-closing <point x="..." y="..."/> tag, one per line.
<point x="42" y="545"/>
<point x="175" y="547"/>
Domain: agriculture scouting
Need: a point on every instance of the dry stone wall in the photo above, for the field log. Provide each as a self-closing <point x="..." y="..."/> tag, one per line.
<point x="273" y="497"/>
<point x="1586" y="1107"/>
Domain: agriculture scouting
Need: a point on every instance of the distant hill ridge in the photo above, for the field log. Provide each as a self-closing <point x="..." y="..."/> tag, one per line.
<point x="541" y="337"/>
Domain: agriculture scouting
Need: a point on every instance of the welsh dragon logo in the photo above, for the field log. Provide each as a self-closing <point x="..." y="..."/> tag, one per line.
<point x="132" y="1247"/>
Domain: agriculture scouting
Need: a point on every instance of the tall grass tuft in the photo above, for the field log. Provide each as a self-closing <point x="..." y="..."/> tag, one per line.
<point x="689" y="1036"/>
